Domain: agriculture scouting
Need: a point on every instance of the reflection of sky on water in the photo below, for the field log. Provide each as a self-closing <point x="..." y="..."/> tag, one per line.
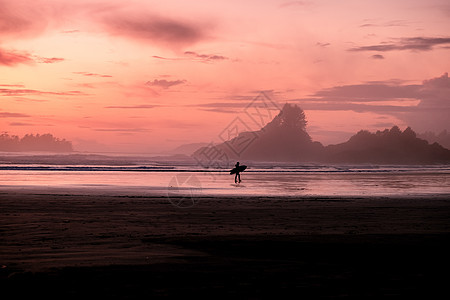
<point x="253" y="183"/>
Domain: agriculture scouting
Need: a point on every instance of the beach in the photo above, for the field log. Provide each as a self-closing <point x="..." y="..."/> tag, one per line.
<point x="130" y="246"/>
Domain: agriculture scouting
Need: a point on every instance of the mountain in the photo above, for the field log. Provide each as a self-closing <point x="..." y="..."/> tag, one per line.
<point x="187" y="149"/>
<point x="285" y="139"/>
<point x="387" y="147"/>
<point x="442" y="138"/>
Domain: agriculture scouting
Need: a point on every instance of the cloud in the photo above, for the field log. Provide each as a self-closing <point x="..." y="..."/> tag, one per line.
<point x="438" y="82"/>
<point x="19" y="19"/>
<point x="413" y="43"/>
<point x="194" y="56"/>
<point x="323" y="45"/>
<point x="231" y="107"/>
<point x="233" y="104"/>
<point x="153" y="29"/>
<point x="13" y="115"/>
<point x="163" y="83"/>
<point x="24" y="19"/>
<point x="205" y="57"/>
<point x="13" y="85"/>
<point x="377" y="56"/>
<point x="12" y="58"/>
<point x="369" y="92"/>
<point x="165" y="58"/>
<point x="121" y="130"/>
<point x="356" y="107"/>
<point x="424" y="106"/>
<point x="222" y="107"/>
<point x="144" y="106"/>
<point x="28" y="19"/>
<point x="46" y="60"/>
<point x="435" y="94"/>
<point x="20" y="124"/>
<point x="89" y="74"/>
<point x="393" y="23"/>
<point x="18" y="92"/>
<point x="24" y="91"/>
<point x="220" y="110"/>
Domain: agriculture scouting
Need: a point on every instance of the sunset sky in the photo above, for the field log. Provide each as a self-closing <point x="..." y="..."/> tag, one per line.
<point x="147" y="76"/>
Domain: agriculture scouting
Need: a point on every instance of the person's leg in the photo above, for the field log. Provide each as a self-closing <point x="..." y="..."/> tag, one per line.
<point x="235" y="178"/>
<point x="239" y="177"/>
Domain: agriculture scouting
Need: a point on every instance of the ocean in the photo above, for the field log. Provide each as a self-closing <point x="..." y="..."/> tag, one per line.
<point x="186" y="179"/>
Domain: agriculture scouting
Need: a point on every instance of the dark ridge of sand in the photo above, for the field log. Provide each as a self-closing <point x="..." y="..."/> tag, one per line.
<point x="74" y="246"/>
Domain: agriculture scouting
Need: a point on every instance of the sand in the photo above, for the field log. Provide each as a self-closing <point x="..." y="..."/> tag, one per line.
<point x="74" y="246"/>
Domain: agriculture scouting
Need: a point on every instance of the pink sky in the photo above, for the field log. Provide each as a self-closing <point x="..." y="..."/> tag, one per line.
<point x="147" y="76"/>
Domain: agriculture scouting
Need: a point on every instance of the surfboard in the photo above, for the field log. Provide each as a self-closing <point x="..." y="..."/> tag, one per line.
<point x="241" y="168"/>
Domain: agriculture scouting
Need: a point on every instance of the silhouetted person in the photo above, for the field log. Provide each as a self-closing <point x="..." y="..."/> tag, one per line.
<point x="238" y="174"/>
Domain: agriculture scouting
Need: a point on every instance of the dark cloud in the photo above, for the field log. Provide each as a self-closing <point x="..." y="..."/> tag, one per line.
<point x="13" y="115"/>
<point x="323" y="45"/>
<point x="18" y="92"/>
<point x="21" y="18"/>
<point x="438" y="82"/>
<point x="216" y="57"/>
<point x="369" y="92"/>
<point x="205" y="57"/>
<point x="163" y="83"/>
<point x="165" y="58"/>
<point x="414" y="43"/>
<point x="435" y="88"/>
<point x="435" y="94"/>
<point x="154" y="29"/>
<point x="377" y="56"/>
<point x="356" y="107"/>
<point x="428" y="107"/>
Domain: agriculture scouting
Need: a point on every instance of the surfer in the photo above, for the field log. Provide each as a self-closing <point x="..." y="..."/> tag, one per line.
<point x="237" y="170"/>
<point x="238" y="173"/>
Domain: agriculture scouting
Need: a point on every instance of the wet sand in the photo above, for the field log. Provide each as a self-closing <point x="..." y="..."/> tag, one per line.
<point x="73" y="246"/>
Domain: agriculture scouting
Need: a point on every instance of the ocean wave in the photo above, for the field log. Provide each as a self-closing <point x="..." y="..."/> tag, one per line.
<point x="259" y="169"/>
